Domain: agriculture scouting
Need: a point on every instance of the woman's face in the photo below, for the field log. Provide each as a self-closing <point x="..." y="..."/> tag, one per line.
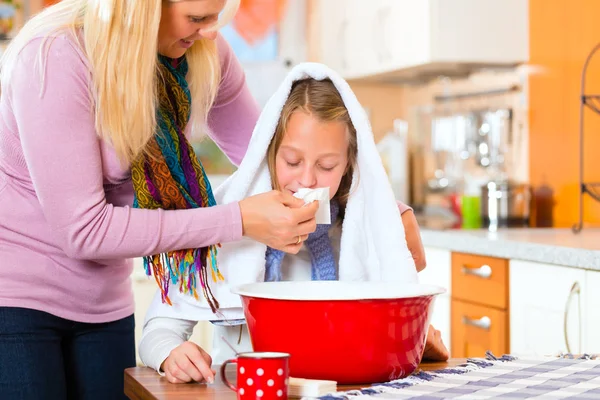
<point x="312" y="154"/>
<point x="184" y="21"/>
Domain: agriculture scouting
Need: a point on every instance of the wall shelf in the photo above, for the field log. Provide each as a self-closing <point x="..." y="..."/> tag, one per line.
<point x="592" y="102"/>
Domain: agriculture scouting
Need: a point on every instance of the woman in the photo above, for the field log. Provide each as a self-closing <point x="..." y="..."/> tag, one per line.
<point x="87" y="104"/>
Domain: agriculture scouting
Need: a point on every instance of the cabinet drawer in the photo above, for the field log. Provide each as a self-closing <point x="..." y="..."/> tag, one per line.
<point x="479" y="279"/>
<point x="477" y="329"/>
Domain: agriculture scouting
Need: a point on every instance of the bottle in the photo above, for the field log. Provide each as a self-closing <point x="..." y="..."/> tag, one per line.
<point x="393" y="150"/>
<point x="471" y="205"/>
<point x="543" y="206"/>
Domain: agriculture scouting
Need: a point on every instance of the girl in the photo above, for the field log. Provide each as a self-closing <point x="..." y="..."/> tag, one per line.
<point x="98" y="101"/>
<point x="314" y="144"/>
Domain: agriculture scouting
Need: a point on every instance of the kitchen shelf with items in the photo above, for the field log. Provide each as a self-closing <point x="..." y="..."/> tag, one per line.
<point x="474" y="138"/>
<point x="591" y="101"/>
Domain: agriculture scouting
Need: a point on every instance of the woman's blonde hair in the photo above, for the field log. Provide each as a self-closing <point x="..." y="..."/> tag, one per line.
<point x="321" y="99"/>
<point x="120" y="39"/>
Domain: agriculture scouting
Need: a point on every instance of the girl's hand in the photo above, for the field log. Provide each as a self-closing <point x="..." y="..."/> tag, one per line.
<point x="278" y="220"/>
<point x="435" y="350"/>
<point x="188" y="362"/>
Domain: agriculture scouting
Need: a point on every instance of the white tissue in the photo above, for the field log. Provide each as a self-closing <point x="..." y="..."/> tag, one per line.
<point x="321" y="195"/>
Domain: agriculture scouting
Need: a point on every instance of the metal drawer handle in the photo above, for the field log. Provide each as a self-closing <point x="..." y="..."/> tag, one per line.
<point x="482" y="323"/>
<point x="485" y="271"/>
<point x="575" y="290"/>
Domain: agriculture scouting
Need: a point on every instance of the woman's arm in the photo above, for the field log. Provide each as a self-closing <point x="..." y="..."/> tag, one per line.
<point x="235" y="112"/>
<point x="62" y="153"/>
<point x="413" y="236"/>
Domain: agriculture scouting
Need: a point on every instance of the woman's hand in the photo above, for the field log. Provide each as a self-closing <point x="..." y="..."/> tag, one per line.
<point x="278" y="220"/>
<point x="188" y="362"/>
<point x="435" y="350"/>
<point x="413" y="239"/>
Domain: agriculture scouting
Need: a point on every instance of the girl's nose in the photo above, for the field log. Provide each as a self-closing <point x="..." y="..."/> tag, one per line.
<point x="308" y="178"/>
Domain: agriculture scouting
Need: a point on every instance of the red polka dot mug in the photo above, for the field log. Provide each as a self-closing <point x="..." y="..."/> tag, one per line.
<point x="260" y="375"/>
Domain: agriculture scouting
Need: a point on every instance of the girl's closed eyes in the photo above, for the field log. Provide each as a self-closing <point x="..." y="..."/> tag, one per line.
<point x="327" y="169"/>
<point x="323" y="167"/>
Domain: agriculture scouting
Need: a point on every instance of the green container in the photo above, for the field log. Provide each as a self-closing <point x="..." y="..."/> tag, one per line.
<point x="470" y="207"/>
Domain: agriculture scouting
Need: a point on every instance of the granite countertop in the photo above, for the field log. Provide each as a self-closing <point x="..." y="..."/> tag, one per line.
<point x="550" y="246"/>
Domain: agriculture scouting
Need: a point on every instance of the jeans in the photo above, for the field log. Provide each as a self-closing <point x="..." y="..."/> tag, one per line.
<point x="46" y="357"/>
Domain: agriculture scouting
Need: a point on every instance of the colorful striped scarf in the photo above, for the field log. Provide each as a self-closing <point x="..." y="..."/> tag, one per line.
<point x="169" y="176"/>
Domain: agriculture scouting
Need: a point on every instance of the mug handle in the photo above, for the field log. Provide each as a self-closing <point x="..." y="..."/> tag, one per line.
<point x="224" y="378"/>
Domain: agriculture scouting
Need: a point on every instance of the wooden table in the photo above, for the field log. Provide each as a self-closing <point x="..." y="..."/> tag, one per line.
<point x="143" y="383"/>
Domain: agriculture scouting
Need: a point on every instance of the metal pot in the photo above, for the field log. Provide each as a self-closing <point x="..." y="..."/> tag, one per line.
<point x="505" y="204"/>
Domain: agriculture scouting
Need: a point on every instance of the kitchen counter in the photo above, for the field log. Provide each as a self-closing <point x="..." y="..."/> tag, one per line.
<point x="550" y="246"/>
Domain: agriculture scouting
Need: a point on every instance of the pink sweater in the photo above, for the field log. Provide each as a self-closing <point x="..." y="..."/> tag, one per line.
<point x="67" y="229"/>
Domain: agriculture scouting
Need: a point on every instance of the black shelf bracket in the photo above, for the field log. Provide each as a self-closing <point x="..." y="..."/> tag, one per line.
<point x="592" y="102"/>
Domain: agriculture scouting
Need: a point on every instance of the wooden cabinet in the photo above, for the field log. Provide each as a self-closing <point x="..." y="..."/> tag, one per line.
<point x="512" y="306"/>
<point x="479" y="311"/>
<point x="477" y="329"/>
<point x="403" y="37"/>
<point x="548" y="310"/>
<point x="437" y="273"/>
<point x="479" y="279"/>
<point x="408" y="39"/>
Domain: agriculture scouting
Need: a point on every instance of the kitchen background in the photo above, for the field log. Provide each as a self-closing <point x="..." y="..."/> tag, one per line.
<point x="476" y="106"/>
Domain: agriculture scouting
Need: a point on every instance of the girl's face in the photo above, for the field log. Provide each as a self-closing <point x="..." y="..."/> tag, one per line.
<point x="312" y="154"/>
<point x="183" y="22"/>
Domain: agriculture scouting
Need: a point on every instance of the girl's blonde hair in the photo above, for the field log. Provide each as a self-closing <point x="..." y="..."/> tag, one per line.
<point x="120" y="39"/>
<point x="321" y="99"/>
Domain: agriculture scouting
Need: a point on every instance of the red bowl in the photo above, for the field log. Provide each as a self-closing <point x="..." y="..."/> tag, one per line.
<point x="349" y="332"/>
